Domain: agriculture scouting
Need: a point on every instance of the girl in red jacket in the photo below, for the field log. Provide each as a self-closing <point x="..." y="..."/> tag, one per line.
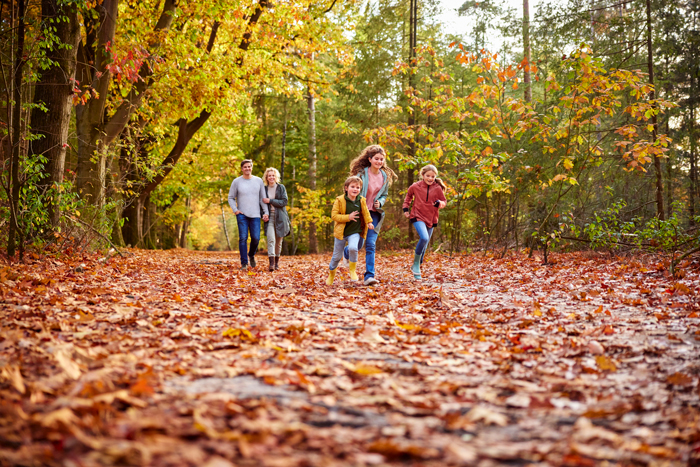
<point x="428" y="198"/>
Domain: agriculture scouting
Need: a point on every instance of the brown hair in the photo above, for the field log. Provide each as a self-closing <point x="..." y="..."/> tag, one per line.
<point x="359" y="163"/>
<point x="432" y="168"/>
<point x="246" y="161"/>
<point x="351" y="179"/>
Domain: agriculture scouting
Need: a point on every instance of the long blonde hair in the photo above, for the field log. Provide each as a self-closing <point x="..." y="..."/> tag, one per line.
<point x="362" y="161"/>
<point x="432" y="168"/>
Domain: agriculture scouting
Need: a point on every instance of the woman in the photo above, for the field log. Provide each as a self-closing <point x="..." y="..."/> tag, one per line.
<point x="376" y="178"/>
<point x="277" y="227"/>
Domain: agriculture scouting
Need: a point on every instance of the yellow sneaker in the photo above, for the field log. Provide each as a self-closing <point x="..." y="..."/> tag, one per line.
<point x="353" y="273"/>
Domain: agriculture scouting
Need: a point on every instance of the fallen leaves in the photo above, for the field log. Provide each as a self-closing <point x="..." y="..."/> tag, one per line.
<point x="178" y="358"/>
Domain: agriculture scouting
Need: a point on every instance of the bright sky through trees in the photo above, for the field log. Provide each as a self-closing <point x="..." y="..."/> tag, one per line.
<point x="459" y="25"/>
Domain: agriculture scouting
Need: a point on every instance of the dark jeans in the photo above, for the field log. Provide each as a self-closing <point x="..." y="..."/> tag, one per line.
<point x="245" y="225"/>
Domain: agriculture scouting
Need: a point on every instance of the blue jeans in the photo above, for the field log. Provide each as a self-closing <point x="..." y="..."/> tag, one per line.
<point x="339" y="246"/>
<point x="424" y="234"/>
<point x="248" y="224"/>
<point x="370" y="245"/>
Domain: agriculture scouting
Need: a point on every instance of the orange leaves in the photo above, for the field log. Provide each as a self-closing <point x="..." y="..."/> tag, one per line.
<point x="12" y="374"/>
<point x="679" y="379"/>
<point x="455" y="369"/>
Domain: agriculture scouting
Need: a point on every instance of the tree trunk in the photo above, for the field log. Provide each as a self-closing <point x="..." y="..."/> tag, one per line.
<point x="90" y="169"/>
<point x="526" y="50"/>
<point x="55" y="92"/>
<point x="313" y="242"/>
<point x="95" y="135"/>
<point x="284" y="142"/>
<point x="660" y="213"/>
<point x="412" y="44"/>
<point x="693" y="159"/>
<point x="185" y="224"/>
<point x="15" y="233"/>
<point x="132" y="230"/>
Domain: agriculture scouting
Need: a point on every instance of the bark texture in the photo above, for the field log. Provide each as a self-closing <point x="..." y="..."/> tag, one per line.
<point x="55" y="92"/>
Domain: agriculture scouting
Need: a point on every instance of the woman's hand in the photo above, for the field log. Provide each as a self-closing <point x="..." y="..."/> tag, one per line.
<point x="377" y="205"/>
<point x="442" y="205"/>
<point x="406" y="214"/>
<point x="266" y="218"/>
<point x="354" y="215"/>
<point x="266" y="200"/>
<point x="370" y="226"/>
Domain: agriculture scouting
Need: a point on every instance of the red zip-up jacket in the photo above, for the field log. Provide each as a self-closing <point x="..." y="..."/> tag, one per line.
<point x="424" y="197"/>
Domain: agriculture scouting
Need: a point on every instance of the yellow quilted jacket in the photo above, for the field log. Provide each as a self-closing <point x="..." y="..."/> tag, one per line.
<point x="340" y="218"/>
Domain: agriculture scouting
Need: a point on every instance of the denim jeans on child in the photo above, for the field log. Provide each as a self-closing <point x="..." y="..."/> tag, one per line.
<point x="248" y="224"/>
<point x="370" y="245"/>
<point x="424" y="234"/>
<point x="353" y="243"/>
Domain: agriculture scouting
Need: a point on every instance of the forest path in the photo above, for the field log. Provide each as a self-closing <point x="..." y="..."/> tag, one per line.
<point x="179" y="358"/>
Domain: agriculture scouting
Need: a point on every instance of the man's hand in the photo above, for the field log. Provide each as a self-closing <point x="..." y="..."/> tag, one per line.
<point x="238" y="212"/>
<point x="266" y="200"/>
<point x="354" y="215"/>
<point x="266" y="217"/>
<point x="377" y="205"/>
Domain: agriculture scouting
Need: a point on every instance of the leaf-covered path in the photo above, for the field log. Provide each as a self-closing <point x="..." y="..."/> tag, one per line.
<point x="179" y="358"/>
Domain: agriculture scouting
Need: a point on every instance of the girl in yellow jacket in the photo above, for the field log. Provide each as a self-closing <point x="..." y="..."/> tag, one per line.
<point x="352" y="221"/>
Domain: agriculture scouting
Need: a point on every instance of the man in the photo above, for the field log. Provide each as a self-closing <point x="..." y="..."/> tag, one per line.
<point x="245" y="198"/>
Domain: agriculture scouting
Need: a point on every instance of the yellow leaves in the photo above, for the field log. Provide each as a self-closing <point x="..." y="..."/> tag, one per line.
<point x="605" y="363"/>
<point x="409" y="326"/>
<point x="241" y="333"/>
<point x="568" y="164"/>
<point x="366" y="370"/>
<point x="361" y="369"/>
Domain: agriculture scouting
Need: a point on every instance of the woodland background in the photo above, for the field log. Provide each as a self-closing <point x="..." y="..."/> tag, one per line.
<point x="124" y="122"/>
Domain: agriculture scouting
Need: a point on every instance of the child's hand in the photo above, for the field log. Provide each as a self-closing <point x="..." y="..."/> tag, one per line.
<point x="354" y="215"/>
<point x="442" y="205"/>
<point x="406" y="214"/>
<point x="370" y="226"/>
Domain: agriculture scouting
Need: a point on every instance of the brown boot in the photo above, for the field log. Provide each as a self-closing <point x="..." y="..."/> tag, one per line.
<point x="272" y="263"/>
<point x="277" y="263"/>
